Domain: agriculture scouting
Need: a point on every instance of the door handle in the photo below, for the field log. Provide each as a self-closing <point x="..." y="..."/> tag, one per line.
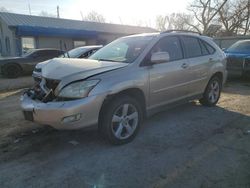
<point x="184" y="65"/>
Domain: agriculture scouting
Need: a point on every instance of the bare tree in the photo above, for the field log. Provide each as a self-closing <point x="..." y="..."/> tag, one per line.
<point x="161" y="23"/>
<point x="95" y="17"/>
<point x="235" y="17"/>
<point x="205" y="11"/>
<point x="176" y="21"/>
<point x="3" y="9"/>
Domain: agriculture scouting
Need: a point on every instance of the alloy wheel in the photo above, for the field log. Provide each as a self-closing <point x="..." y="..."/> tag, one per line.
<point x="124" y="121"/>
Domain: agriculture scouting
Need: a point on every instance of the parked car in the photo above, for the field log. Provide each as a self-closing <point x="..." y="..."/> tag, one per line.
<point x="80" y="52"/>
<point x="238" y="58"/>
<point x="14" y="67"/>
<point x="123" y="82"/>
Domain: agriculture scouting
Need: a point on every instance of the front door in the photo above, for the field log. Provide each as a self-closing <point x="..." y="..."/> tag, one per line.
<point x="168" y="79"/>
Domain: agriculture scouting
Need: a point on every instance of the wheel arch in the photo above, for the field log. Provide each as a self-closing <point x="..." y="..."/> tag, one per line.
<point x="9" y="64"/>
<point x="218" y="74"/>
<point x="135" y="93"/>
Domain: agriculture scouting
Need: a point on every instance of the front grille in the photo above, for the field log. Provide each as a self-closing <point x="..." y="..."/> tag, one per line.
<point x="43" y="89"/>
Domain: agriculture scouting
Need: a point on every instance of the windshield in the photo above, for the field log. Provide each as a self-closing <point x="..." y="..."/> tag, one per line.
<point x="74" y="53"/>
<point x="241" y="46"/>
<point x="123" y="50"/>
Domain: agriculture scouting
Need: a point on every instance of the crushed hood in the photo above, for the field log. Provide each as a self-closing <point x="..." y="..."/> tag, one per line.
<point x="59" y="68"/>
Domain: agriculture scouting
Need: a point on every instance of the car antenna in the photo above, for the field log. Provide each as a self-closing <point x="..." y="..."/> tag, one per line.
<point x="65" y="47"/>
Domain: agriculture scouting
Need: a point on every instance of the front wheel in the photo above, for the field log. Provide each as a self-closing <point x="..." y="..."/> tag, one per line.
<point x="212" y="93"/>
<point x="121" y="120"/>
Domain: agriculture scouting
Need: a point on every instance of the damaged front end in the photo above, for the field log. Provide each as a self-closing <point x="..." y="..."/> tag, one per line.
<point x="43" y="90"/>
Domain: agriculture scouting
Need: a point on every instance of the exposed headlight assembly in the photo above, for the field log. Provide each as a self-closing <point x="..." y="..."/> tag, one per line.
<point x="78" y="90"/>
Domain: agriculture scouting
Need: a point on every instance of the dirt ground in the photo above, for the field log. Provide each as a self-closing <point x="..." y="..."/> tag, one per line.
<point x="188" y="146"/>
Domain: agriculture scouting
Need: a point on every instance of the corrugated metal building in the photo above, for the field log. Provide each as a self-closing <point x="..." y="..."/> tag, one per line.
<point x="21" y="32"/>
<point x="225" y="42"/>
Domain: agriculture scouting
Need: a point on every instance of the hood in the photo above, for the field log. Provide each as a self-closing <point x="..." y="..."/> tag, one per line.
<point x="40" y="65"/>
<point x="59" y="68"/>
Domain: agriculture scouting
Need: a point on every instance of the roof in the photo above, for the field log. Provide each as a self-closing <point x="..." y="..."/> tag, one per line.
<point x="18" y="20"/>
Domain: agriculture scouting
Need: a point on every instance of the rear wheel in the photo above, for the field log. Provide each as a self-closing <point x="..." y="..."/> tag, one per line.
<point x="212" y="93"/>
<point x="12" y="71"/>
<point x="121" y="120"/>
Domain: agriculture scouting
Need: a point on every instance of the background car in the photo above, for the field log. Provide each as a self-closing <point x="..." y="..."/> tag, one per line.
<point x="80" y="52"/>
<point x="238" y="58"/>
<point x="13" y="67"/>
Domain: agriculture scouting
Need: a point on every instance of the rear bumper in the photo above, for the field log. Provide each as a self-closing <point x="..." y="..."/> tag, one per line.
<point x="54" y="113"/>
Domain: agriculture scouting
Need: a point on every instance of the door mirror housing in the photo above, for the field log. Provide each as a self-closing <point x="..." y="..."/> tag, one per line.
<point x="160" y="57"/>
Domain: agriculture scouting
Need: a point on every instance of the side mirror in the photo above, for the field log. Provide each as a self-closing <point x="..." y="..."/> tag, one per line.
<point x="160" y="57"/>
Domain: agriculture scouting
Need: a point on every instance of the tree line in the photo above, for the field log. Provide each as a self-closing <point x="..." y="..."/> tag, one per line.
<point x="210" y="17"/>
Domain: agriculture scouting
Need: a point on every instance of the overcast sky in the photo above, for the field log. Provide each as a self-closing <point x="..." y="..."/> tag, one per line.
<point x="131" y="12"/>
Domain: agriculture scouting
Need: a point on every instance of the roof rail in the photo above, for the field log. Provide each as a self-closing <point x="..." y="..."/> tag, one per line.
<point x="180" y="31"/>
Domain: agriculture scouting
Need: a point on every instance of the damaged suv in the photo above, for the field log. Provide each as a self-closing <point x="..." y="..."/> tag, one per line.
<point x="123" y="82"/>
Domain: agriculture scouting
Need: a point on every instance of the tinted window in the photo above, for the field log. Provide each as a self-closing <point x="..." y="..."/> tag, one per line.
<point x="240" y="46"/>
<point x="204" y="49"/>
<point x="41" y="53"/>
<point x="53" y="53"/>
<point x="48" y="53"/>
<point x="209" y="48"/>
<point x="192" y="47"/>
<point x="170" y="45"/>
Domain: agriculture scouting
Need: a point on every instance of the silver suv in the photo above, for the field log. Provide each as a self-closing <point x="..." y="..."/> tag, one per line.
<point x="123" y="82"/>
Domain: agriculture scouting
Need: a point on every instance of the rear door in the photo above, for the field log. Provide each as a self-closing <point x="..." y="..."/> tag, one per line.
<point x="199" y="62"/>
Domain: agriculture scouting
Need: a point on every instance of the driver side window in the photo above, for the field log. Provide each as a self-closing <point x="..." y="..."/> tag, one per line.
<point x="170" y="45"/>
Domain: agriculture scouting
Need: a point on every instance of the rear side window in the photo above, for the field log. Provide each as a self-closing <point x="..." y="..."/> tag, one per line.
<point x="209" y="48"/>
<point x="192" y="46"/>
<point x="206" y="48"/>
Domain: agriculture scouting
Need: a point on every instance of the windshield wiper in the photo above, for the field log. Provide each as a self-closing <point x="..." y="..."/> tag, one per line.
<point x="112" y="60"/>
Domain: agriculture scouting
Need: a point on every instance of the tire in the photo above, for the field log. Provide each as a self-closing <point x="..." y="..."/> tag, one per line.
<point x="212" y="92"/>
<point x="120" y="120"/>
<point x="12" y="71"/>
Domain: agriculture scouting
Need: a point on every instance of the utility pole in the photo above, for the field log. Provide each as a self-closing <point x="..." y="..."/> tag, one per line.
<point x="82" y="15"/>
<point x="29" y="7"/>
<point x="58" y="13"/>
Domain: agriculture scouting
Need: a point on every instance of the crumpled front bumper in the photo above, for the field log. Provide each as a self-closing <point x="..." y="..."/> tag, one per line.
<point x="54" y="113"/>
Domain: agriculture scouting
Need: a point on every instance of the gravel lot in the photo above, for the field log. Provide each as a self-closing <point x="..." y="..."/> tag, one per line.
<point x="188" y="146"/>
